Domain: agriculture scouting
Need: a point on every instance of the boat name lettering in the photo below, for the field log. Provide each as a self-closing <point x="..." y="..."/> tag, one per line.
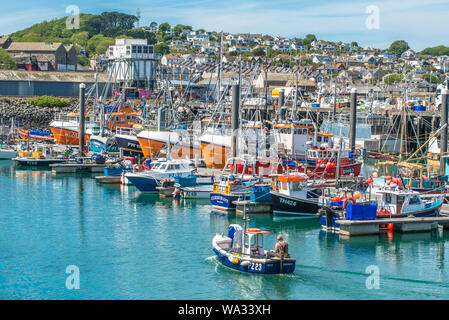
<point x="256" y="266"/>
<point x="289" y="202"/>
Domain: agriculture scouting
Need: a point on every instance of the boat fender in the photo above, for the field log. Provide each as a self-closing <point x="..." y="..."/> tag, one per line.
<point x="245" y="263"/>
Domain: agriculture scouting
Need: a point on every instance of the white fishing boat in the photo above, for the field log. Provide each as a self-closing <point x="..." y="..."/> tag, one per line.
<point x="149" y="180"/>
<point x="7" y="153"/>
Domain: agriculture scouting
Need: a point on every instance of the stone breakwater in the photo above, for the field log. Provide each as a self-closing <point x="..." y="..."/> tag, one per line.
<point x="28" y="116"/>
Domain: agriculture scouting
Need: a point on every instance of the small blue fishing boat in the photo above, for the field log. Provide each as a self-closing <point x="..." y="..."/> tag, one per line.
<point x="232" y="186"/>
<point x="394" y="203"/>
<point x="243" y="250"/>
<point x="407" y="203"/>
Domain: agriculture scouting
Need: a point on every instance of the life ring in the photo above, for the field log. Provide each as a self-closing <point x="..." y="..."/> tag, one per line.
<point x="136" y="168"/>
<point x="358" y="152"/>
<point x="347" y="200"/>
<point x="145" y="165"/>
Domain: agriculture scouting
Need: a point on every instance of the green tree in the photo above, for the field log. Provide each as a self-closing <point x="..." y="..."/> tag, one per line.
<point x="432" y="79"/>
<point x="308" y="39"/>
<point x="398" y="47"/>
<point x="84" y="61"/>
<point x="161" y="48"/>
<point x="164" y="27"/>
<point x="392" y="78"/>
<point x="6" y="62"/>
<point x="80" y="38"/>
<point x="436" y="51"/>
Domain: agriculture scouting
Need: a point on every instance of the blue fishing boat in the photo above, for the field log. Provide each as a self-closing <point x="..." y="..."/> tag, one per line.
<point x="394" y="203"/>
<point x="406" y="203"/>
<point x="243" y="250"/>
<point x="232" y="186"/>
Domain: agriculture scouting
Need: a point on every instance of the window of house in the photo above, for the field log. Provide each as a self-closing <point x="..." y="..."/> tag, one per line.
<point x="139" y="49"/>
<point x="134" y="49"/>
<point x="145" y="49"/>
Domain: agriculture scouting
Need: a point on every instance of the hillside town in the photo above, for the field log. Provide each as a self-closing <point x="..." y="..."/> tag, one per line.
<point x="195" y="56"/>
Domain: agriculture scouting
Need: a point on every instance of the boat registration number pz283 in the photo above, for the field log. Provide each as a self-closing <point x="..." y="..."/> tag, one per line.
<point x="256" y="267"/>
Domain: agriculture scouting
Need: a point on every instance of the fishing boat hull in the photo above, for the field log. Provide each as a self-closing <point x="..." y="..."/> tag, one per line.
<point x="225" y="202"/>
<point x="67" y="136"/>
<point x="153" y="142"/>
<point x="128" y="143"/>
<point x="285" y="205"/>
<point x="6" y="154"/>
<point x="432" y="211"/>
<point x="248" y="264"/>
<point x="34" y="162"/>
<point x="28" y="134"/>
<point x="144" y="183"/>
<point x="200" y="192"/>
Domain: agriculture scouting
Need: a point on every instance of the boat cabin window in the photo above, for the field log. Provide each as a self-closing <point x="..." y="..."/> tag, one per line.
<point x="295" y="185"/>
<point x="163" y="166"/>
<point x="400" y="199"/>
<point x="156" y="166"/>
<point x="173" y="167"/>
<point x="414" y="200"/>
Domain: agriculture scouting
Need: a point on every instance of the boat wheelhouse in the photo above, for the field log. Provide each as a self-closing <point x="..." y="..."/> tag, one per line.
<point x="294" y="194"/>
<point x="405" y="203"/>
<point x="295" y="138"/>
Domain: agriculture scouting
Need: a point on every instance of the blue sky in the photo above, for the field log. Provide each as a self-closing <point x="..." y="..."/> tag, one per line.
<point x="422" y="23"/>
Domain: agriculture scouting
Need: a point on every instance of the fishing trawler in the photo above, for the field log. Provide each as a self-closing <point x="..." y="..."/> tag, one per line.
<point x="294" y="194"/>
<point x="65" y="127"/>
<point x="39" y="155"/>
<point x="243" y="250"/>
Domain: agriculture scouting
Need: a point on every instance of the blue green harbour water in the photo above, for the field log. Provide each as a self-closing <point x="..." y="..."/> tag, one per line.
<point x="129" y="245"/>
